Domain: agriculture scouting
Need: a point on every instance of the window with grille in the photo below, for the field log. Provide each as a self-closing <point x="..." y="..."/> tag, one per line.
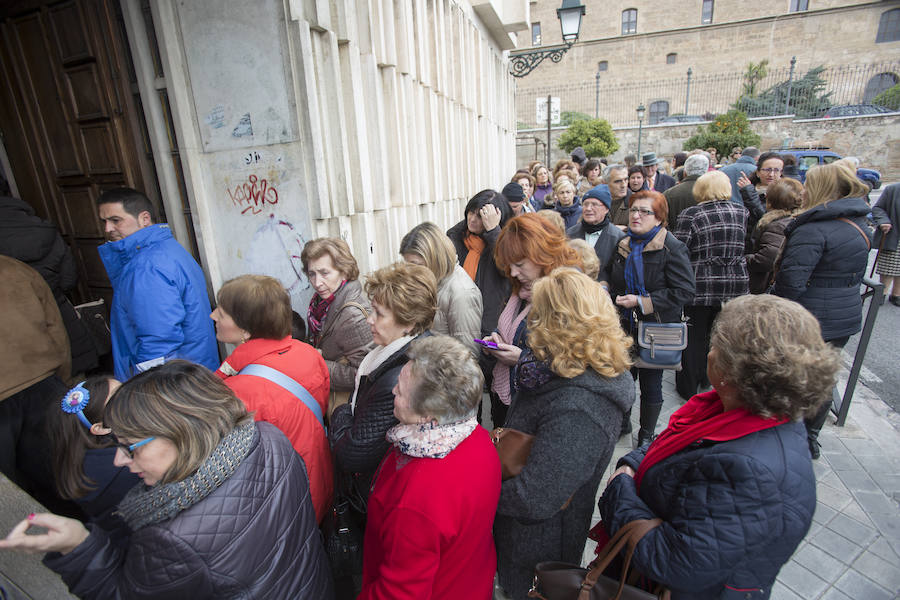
<point x="888" y="26"/>
<point x="879" y="83"/>
<point x="671" y="58"/>
<point x="658" y="110"/>
<point x="629" y="21"/>
<point x="706" y="15"/>
<point x="535" y="34"/>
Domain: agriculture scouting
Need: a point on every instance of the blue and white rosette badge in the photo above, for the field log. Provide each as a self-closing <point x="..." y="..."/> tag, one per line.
<point x="75" y="402"/>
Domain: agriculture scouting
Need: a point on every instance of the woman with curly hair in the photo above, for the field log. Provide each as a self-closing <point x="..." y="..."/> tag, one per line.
<point x="731" y="477"/>
<point x="573" y="391"/>
<point x="529" y="247"/>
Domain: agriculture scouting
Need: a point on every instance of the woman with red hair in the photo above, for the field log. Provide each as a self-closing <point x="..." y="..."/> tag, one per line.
<point x="529" y="247"/>
<point x="650" y="279"/>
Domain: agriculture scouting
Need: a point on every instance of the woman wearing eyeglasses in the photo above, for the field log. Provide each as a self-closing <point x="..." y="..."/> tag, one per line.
<point x="211" y="517"/>
<point x="650" y="278"/>
<point x="769" y="168"/>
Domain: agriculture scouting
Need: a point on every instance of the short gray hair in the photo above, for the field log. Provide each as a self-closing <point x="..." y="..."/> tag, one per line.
<point x="696" y="164"/>
<point x="611" y="168"/>
<point x="750" y="151"/>
<point x="447" y="382"/>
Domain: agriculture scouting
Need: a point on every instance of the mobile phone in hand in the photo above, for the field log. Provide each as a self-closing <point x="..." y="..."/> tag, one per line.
<point x="487" y="344"/>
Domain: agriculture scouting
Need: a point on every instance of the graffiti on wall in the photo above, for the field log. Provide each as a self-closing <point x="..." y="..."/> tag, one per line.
<point x="253" y="195"/>
<point x="275" y="251"/>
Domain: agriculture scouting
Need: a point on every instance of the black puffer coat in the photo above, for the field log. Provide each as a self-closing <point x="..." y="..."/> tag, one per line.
<point x="733" y="513"/>
<point x="253" y="537"/>
<point x="357" y="438"/>
<point x="493" y="284"/>
<point x="823" y="264"/>
<point x="37" y="243"/>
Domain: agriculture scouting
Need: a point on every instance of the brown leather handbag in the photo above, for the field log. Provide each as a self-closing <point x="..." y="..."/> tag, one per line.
<point x="513" y="446"/>
<point x="564" y="581"/>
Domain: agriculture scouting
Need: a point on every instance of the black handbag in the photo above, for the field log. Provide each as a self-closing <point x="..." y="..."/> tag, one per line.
<point x="344" y="531"/>
<point x="660" y="345"/>
<point x="564" y="581"/>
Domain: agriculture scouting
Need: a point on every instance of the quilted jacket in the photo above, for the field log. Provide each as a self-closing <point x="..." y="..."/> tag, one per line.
<point x="358" y="438"/>
<point x="823" y="264"/>
<point x="733" y="513"/>
<point x="714" y="235"/>
<point x="253" y="537"/>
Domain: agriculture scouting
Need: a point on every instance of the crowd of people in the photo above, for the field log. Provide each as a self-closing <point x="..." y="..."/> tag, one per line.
<point x="185" y="475"/>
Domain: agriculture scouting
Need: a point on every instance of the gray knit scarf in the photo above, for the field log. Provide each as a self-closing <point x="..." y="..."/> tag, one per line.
<point x="144" y="505"/>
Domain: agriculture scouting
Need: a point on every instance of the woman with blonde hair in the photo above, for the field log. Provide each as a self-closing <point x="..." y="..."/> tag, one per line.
<point x="825" y="258"/>
<point x="573" y="391"/>
<point x="223" y="511"/>
<point x="459" y="299"/>
<point x="529" y="247"/>
<point x="568" y="205"/>
<point x="404" y="300"/>
<point x="713" y="230"/>
<point x="336" y="318"/>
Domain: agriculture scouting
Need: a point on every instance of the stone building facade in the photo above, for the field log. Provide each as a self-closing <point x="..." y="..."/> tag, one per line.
<point x="627" y="41"/>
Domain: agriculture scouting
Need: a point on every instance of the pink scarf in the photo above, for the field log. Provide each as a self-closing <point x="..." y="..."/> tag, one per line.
<point x="507" y="325"/>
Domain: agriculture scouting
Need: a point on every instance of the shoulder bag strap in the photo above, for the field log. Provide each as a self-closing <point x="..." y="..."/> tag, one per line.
<point x="628" y="536"/>
<point x="859" y="229"/>
<point x="357" y="305"/>
<point x="289" y="384"/>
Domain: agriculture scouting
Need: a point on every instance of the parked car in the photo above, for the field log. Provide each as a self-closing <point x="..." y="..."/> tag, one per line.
<point x="810" y="157"/>
<point x="855" y="110"/>
<point x="682" y="119"/>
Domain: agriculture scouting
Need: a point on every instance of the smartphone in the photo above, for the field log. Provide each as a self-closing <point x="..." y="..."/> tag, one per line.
<point x="487" y="344"/>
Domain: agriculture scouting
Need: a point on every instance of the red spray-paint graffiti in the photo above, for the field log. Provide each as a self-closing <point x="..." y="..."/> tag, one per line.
<point x="253" y="195"/>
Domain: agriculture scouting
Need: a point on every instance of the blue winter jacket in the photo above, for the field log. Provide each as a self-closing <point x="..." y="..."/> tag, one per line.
<point x="823" y="263"/>
<point x="160" y="308"/>
<point x="733" y="513"/>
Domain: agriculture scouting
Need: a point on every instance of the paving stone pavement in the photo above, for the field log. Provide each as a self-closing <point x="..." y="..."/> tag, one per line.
<point x="852" y="550"/>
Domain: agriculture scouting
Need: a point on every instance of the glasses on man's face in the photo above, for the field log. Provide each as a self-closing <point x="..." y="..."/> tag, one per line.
<point x="771" y="171"/>
<point x="641" y="211"/>
<point x="129" y="449"/>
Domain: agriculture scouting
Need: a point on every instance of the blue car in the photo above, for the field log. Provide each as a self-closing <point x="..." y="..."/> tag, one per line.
<point x="807" y="158"/>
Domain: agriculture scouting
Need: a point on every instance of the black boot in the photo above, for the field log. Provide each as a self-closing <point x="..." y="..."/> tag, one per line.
<point x="626" y="424"/>
<point x="649" y="416"/>
<point x="813" y="427"/>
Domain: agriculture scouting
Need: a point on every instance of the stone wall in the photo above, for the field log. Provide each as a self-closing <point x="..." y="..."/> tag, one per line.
<point x="874" y="139"/>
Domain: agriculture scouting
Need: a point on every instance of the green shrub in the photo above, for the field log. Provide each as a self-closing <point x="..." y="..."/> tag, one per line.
<point x="594" y="135"/>
<point x="724" y="133"/>
<point x="889" y="98"/>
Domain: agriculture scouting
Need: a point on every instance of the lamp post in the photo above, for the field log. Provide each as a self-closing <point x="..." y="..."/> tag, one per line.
<point x="569" y="15"/>
<point x="640" y="113"/>
<point x="597" y="95"/>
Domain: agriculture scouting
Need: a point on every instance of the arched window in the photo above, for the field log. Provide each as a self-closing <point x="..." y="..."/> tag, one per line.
<point x="629" y="21"/>
<point x="878" y="84"/>
<point x="706" y="14"/>
<point x="658" y="110"/>
<point x="671" y="58"/>
<point x="888" y="26"/>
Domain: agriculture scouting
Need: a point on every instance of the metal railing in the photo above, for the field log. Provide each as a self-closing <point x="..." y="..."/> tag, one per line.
<point x="781" y="91"/>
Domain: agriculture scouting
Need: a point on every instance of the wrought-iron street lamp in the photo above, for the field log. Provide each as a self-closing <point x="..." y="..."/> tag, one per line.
<point x="640" y="113"/>
<point x="569" y="15"/>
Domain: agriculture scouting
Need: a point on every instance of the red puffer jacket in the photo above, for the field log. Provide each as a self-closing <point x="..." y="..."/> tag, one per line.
<point x="274" y="404"/>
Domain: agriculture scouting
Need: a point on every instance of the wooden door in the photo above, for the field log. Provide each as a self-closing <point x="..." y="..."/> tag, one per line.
<point x="68" y="119"/>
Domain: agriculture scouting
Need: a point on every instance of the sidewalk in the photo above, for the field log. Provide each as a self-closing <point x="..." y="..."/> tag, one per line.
<point x="852" y="550"/>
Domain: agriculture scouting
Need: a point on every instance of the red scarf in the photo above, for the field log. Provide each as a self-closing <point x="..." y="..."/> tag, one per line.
<point x="702" y="418"/>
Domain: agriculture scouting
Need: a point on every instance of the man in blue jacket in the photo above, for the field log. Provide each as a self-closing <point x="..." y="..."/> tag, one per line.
<point x="160" y="309"/>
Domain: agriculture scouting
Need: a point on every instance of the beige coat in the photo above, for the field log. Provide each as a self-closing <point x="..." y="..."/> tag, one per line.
<point x="346" y="337"/>
<point x="35" y="344"/>
<point x="459" y="309"/>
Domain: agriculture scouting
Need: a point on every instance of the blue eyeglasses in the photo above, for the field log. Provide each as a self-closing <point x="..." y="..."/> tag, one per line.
<point x="129" y="449"/>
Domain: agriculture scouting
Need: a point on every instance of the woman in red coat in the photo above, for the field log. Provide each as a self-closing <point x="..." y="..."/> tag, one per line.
<point x="431" y="511"/>
<point x="289" y="383"/>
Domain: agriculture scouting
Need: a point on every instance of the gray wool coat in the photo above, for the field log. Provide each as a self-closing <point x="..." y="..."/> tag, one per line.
<point x="576" y="422"/>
